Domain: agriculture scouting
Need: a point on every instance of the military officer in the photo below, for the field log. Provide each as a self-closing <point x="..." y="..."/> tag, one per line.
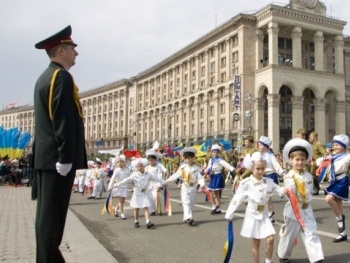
<point x="318" y="150"/>
<point x="59" y="143"/>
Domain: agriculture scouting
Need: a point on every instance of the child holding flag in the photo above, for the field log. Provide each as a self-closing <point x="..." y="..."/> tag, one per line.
<point x="298" y="214"/>
<point x="258" y="189"/>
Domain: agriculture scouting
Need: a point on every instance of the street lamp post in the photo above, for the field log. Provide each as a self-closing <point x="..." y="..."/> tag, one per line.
<point x="249" y="113"/>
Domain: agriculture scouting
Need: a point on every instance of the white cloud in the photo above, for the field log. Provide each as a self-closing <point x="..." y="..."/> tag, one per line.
<point x="117" y="38"/>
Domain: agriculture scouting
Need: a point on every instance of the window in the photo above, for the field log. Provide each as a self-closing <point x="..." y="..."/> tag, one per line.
<point x="203" y="71"/>
<point x="289" y="44"/>
<point x="223" y="47"/>
<point x="223" y="62"/>
<point x="222" y="107"/>
<point x="211" y="110"/>
<point x="193" y="74"/>
<point x="222" y="124"/>
<point x="311" y="46"/>
<point x="201" y="113"/>
<point x="281" y="43"/>
<point x="212" y="67"/>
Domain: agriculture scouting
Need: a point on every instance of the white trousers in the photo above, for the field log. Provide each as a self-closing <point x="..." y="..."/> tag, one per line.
<point x="81" y="183"/>
<point x="152" y="204"/>
<point x="188" y="194"/>
<point x="289" y="233"/>
<point x="98" y="188"/>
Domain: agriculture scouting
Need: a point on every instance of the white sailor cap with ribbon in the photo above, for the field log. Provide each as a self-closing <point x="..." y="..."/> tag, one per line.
<point x="90" y="162"/>
<point x="215" y="147"/>
<point x="297" y="145"/>
<point x="342" y="140"/>
<point x="265" y="141"/>
<point x="151" y="152"/>
<point x="249" y="160"/>
<point x="121" y="157"/>
<point x="138" y="161"/>
<point x="98" y="160"/>
<point x="188" y="151"/>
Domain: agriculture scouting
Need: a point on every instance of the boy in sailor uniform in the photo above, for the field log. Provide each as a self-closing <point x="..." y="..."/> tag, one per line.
<point x="338" y="190"/>
<point x="273" y="168"/>
<point x="99" y="175"/>
<point x="156" y="169"/>
<point x="298" y="152"/>
<point x="81" y="181"/>
<point x="140" y="199"/>
<point x="89" y="179"/>
<point x="190" y="175"/>
<point x="215" y="167"/>
<point x="258" y="190"/>
<point x="119" y="174"/>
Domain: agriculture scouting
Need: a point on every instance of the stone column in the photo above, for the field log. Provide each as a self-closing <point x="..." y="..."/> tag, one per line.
<point x="320" y="117"/>
<point x="338" y="54"/>
<point x="296" y="40"/>
<point x="319" y="61"/>
<point x="273" y="118"/>
<point x="259" y="48"/>
<point x="259" y="106"/>
<point x="273" y="43"/>
<point x="340" y="125"/>
<point x="297" y="114"/>
<point x="228" y="53"/>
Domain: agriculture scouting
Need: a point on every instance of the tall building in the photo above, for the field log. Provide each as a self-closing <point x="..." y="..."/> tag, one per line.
<point x="270" y="73"/>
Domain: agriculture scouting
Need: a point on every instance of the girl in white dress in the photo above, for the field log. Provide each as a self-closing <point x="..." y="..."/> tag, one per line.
<point x="119" y="174"/>
<point x="141" y="180"/>
<point x="258" y="190"/>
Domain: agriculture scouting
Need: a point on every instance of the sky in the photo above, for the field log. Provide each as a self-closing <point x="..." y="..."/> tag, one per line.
<point x="116" y="38"/>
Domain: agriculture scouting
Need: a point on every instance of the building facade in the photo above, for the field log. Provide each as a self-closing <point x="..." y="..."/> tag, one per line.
<point x="269" y="73"/>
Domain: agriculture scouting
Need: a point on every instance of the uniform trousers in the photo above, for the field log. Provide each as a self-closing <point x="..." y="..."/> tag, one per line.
<point x="188" y="194"/>
<point x="54" y="192"/>
<point x="311" y="241"/>
<point x="81" y="183"/>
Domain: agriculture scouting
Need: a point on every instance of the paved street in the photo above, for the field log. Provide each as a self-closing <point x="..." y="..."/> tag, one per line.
<point x="17" y="234"/>
<point x="173" y="241"/>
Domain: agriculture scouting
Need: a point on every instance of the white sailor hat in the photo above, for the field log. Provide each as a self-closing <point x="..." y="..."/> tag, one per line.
<point x="98" y="160"/>
<point x="265" y="141"/>
<point x="250" y="159"/>
<point x="151" y="152"/>
<point x="297" y="145"/>
<point x="142" y="161"/>
<point x="215" y="147"/>
<point x="121" y="157"/>
<point x="188" y="151"/>
<point x="342" y="140"/>
<point x="91" y="163"/>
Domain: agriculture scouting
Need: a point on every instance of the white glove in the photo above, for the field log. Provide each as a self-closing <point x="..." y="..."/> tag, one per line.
<point x="63" y="168"/>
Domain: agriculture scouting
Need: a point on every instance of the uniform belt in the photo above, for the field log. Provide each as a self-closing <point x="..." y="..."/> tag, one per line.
<point x="190" y="184"/>
<point x="143" y="190"/>
<point x="340" y="176"/>
<point x="304" y="205"/>
<point x="260" y="208"/>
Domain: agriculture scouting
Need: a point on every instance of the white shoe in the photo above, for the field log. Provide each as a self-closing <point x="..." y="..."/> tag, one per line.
<point x="122" y="216"/>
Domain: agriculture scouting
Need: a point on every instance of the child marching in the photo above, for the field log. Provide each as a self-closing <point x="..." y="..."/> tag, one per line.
<point x="119" y="174"/>
<point x="298" y="216"/>
<point x="190" y="175"/>
<point x="140" y="198"/>
<point x="258" y="190"/>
